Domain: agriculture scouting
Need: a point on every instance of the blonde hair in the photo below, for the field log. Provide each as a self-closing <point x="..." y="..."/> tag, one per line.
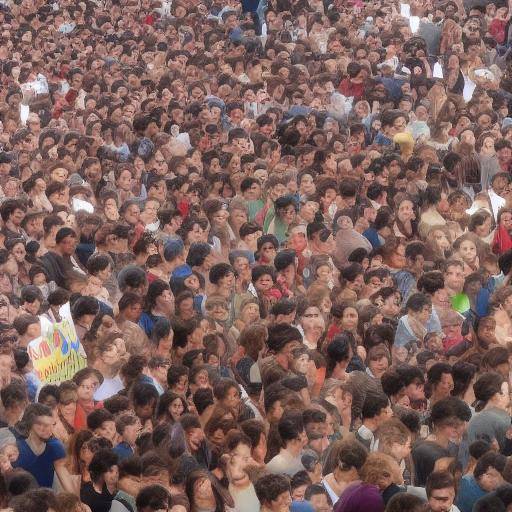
<point x="378" y="466"/>
<point x="390" y="432"/>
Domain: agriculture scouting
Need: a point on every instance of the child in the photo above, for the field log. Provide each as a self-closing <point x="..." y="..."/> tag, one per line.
<point x="128" y="427"/>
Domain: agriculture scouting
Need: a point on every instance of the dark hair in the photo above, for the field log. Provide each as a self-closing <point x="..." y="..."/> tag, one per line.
<point x="373" y="405"/>
<point x="97" y="417"/>
<point x="290" y="426"/>
<point x="489" y="460"/>
<point x="463" y="374"/>
<point x="486" y="386"/>
<point x="279" y="335"/>
<point x="101" y="463"/>
<point x="478" y="448"/>
<point x="154" y="497"/>
<point x="405" y="502"/>
<point x="340" y="349"/>
<point x="156" y="288"/>
<point x="203" y="398"/>
<point x="439" y="480"/>
<point x="417" y="302"/>
<point x="436" y="371"/>
<point x="269" y="487"/>
<point x="219" y="271"/>
<point x="174" y="373"/>
<point x="449" y="408"/>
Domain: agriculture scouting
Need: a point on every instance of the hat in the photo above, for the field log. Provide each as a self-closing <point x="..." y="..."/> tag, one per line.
<point x="361" y="497"/>
<point x="6" y="438"/>
<point x="145" y="149"/>
<point x="173" y="249"/>
<point x="182" y="272"/>
<point x="507" y="121"/>
<point x="75" y="180"/>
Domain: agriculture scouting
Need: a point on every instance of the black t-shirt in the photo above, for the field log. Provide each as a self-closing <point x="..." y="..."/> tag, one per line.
<point x="98" y="502"/>
<point x="425" y="454"/>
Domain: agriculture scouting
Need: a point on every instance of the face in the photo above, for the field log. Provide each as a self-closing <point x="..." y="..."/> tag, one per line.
<point x="349" y="319"/>
<point x="282" y="502"/>
<point x="195" y="437"/>
<point x="454" y="278"/>
<point x="467" y="251"/>
<point x="43" y="427"/>
<point x="176" y="409"/>
<point x="445" y="385"/>
<point x="441" y="500"/>
<point x="313" y="322"/>
<point x="87" y="388"/>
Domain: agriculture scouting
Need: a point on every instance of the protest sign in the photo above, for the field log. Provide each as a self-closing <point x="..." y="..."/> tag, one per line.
<point x="57" y="354"/>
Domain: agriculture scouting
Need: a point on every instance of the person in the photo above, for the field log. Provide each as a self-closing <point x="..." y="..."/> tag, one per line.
<point x="293" y="436"/>
<point x="100" y="491"/>
<point x="376" y="410"/>
<point x="39" y="453"/>
<point x="448" y="417"/>
<point x="486" y="477"/>
<point x="491" y="418"/>
<point x="440" y="489"/>
<point x="273" y="492"/>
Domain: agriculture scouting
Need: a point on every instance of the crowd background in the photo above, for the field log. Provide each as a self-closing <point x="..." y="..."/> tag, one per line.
<point x="283" y="232"/>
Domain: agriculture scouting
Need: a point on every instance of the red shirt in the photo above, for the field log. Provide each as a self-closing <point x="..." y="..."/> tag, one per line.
<point x="349" y="88"/>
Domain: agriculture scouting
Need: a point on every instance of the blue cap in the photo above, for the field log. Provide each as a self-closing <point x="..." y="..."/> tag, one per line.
<point x="173" y="249"/>
<point x="182" y="272"/>
<point x="301" y="506"/>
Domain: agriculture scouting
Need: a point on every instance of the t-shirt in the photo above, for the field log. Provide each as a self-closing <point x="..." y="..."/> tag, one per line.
<point x="492" y="423"/>
<point x="284" y="463"/>
<point x="98" y="502"/>
<point x="425" y="454"/>
<point x="40" y="466"/>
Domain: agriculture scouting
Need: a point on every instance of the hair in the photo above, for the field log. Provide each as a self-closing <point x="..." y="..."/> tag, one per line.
<point x="101" y="462"/>
<point x="373" y="405"/>
<point x="269" y="487"/>
<point x="489" y="459"/>
<point x="375" y="466"/>
<point x="350" y="454"/>
<point x="439" y="480"/>
<point x="405" y="502"/>
<point x="290" y="426"/>
<point x="486" y="386"/>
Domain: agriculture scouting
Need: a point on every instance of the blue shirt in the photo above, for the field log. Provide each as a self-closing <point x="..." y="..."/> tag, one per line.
<point x="123" y="450"/>
<point x="40" y="466"/>
<point x="469" y="493"/>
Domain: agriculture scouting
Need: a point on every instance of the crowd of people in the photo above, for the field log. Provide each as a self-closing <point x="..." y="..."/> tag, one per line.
<point x="279" y="236"/>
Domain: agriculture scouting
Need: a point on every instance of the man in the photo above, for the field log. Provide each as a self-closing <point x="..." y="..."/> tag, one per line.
<point x="273" y="491"/>
<point x="293" y="436"/>
<point x="441" y="492"/>
<point x="59" y="263"/>
<point x="12" y="213"/>
<point x="376" y="410"/>
<point x="41" y="454"/>
<point x="486" y="477"/>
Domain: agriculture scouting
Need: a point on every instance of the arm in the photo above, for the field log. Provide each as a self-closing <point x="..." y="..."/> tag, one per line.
<point x="64" y="476"/>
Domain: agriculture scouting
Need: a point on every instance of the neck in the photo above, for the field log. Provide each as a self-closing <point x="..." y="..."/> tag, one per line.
<point x="35" y="442"/>
<point x="293" y="448"/>
<point x="370" y="424"/>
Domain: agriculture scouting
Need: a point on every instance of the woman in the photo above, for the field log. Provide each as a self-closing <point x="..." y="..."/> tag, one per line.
<point x="88" y="381"/>
<point x="100" y="491"/>
<point x="248" y="314"/>
<point x="238" y="216"/>
<point x="285" y="215"/>
<point x="394" y="439"/>
<point x="345" y="319"/>
<point x="204" y="493"/>
<point x="480" y="223"/>
<point x="159" y="303"/>
<point x="405" y="225"/>
<point x="502" y="240"/>
<point x="162" y="338"/>
<point x="351" y="283"/>
<point x="349" y="458"/>
<point x="492" y="419"/>
<point x="251" y="344"/>
<point x="66" y="410"/>
<point x="16" y="246"/>
<point x="171" y="407"/>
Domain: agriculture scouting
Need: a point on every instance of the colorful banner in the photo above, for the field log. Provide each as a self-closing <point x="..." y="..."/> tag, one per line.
<point x="57" y="354"/>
